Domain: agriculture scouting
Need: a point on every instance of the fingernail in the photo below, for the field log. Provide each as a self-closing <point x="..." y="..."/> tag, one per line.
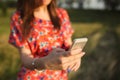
<point x="83" y="53"/>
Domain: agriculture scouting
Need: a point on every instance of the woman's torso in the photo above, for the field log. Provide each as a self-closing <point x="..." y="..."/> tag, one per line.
<point x="42" y="39"/>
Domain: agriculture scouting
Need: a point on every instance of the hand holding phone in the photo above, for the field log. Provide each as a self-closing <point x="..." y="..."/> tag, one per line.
<point x="79" y="43"/>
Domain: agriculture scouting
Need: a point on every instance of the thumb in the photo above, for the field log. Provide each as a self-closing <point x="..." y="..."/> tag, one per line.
<point x="59" y="50"/>
<point x="66" y="53"/>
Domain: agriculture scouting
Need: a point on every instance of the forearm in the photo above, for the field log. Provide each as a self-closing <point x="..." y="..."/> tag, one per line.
<point x="38" y="63"/>
<point x="27" y="59"/>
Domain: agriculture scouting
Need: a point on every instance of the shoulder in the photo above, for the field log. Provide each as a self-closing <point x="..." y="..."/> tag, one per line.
<point x="62" y="13"/>
<point x="62" y="10"/>
<point x="15" y="21"/>
<point x="15" y="15"/>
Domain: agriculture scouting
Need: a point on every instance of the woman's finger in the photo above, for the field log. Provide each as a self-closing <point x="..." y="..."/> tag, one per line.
<point x="76" y="51"/>
<point x="74" y="57"/>
<point x="70" y="64"/>
<point x="71" y="58"/>
<point x="76" y="67"/>
<point x="82" y="54"/>
<point x="68" y="57"/>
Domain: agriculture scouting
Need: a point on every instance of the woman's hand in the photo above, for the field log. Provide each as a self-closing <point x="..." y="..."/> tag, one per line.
<point x="59" y="59"/>
<point x="75" y="60"/>
<point x="74" y="66"/>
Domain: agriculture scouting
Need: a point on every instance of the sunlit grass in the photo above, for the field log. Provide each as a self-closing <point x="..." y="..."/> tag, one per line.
<point x="9" y="59"/>
<point x="4" y="22"/>
<point x="84" y="29"/>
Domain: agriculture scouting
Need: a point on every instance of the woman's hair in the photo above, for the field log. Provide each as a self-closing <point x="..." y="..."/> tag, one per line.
<point x="27" y="7"/>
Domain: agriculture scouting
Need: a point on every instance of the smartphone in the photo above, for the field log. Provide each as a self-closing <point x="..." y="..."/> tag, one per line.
<point x="79" y="43"/>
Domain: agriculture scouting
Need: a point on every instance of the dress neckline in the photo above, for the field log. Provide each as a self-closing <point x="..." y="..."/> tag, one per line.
<point x="42" y="20"/>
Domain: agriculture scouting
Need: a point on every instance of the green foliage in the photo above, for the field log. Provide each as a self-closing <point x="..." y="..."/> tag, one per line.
<point x="3" y="7"/>
<point x="11" y="3"/>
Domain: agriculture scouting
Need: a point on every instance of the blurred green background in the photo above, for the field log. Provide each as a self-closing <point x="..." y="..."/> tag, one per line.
<point x="102" y="59"/>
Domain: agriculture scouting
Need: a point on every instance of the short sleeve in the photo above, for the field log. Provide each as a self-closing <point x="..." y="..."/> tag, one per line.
<point x="15" y="37"/>
<point x="66" y="26"/>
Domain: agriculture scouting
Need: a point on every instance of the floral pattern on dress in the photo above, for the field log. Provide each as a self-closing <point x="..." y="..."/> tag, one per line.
<point x="42" y="39"/>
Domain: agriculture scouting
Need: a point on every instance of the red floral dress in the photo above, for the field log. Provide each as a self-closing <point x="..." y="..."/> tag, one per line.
<point x="42" y="39"/>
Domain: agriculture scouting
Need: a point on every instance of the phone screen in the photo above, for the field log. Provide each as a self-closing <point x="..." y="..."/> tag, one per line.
<point x="79" y="43"/>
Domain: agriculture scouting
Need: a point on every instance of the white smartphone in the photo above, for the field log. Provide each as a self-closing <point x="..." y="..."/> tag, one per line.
<point x="79" y="43"/>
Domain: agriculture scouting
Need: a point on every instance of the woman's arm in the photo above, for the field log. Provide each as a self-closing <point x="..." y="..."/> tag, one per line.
<point x="27" y="59"/>
<point x="57" y="59"/>
<point x="69" y="41"/>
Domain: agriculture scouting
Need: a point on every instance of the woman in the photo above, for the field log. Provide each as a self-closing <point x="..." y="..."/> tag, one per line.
<point x="42" y="34"/>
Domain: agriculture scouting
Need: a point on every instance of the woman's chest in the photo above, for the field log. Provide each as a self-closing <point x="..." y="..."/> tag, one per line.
<point x="45" y="38"/>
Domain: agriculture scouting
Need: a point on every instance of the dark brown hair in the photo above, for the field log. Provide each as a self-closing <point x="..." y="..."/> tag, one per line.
<point x="27" y="7"/>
